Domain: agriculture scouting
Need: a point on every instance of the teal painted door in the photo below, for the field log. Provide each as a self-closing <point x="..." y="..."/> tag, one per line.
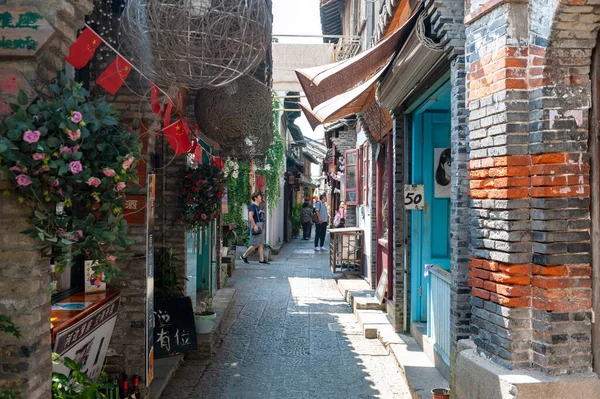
<point x="205" y="263"/>
<point x="430" y="233"/>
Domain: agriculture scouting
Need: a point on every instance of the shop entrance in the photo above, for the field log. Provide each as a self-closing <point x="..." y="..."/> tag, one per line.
<point x="430" y="227"/>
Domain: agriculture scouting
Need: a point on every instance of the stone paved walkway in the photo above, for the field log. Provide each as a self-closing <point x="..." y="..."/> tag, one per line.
<point x="290" y="335"/>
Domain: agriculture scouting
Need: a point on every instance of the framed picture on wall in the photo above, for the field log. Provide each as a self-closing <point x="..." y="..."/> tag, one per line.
<point x="442" y="162"/>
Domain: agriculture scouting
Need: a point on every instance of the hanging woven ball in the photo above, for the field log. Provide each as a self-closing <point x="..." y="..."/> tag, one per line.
<point x="196" y="43"/>
<point x="238" y="116"/>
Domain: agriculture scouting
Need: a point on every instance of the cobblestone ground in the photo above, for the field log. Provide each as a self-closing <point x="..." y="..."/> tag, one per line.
<point x="290" y="335"/>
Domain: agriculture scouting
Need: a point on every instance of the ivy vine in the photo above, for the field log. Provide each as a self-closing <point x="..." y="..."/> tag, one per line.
<point x="238" y="195"/>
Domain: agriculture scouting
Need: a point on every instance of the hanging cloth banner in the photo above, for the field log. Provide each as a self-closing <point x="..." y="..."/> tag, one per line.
<point x="177" y="138"/>
<point x="114" y="76"/>
<point x="83" y="49"/>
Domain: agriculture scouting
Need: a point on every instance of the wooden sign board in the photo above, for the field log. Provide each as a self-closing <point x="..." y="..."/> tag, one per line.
<point x="382" y="286"/>
<point x="11" y="82"/>
<point x="23" y="31"/>
<point x="134" y="209"/>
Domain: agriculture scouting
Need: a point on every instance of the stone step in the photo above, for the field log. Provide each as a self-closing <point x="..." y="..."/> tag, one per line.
<point x="366" y="303"/>
<point x="371" y="321"/>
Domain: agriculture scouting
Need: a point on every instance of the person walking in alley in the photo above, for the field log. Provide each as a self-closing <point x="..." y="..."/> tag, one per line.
<point x="256" y="216"/>
<point x="321" y="225"/>
<point x="306" y="219"/>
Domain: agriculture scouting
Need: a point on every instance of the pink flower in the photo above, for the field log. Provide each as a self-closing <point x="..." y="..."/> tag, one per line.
<point x="31" y="137"/>
<point x="43" y="170"/>
<point x="56" y="183"/>
<point x="23" y="180"/>
<point x="111" y="258"/>
<point x="74" y="135"/>
<point x="93" y="181"/>
<point x="74" y="149"/>
<point x="80" y="233"/>
<point x="108" y="172"/>
<point x="204" y="216"/>
<point x="121" y="186"/>
<point x="15" y="169"/>
<point x="76" y="117"/>
<point x="61" y="192"/>
<point x="38" y="156"/>
<point x="75" y="167"/>
<point x="64" y="150"/>
<point x="127" y="163"/>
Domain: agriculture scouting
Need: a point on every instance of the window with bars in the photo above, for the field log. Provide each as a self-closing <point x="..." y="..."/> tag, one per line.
<point x="351" y="176"/>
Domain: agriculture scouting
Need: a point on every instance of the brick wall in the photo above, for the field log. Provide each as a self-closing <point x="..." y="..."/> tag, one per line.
<point x="25" y="363"/>
<point x="397" y="253"/>
<point x="529" y="97"/>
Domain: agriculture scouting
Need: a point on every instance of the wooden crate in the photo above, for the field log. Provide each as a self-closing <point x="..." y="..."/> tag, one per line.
<point x="345" y="250"/>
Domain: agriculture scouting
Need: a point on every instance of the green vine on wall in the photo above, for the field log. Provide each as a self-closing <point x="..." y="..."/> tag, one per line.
<point x="273" y="165"/>
<point x="238" y="195"/>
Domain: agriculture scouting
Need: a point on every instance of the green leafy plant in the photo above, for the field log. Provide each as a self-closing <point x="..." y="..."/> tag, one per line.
<point x="201" y="191"/>
<point x="238" y="195"/>
<point x="167" y="280"/>
<point x="77" y="384"/>
<point x="296" y="223"/>
<point x="70" y="159"/>
<point x="7" y="326"/>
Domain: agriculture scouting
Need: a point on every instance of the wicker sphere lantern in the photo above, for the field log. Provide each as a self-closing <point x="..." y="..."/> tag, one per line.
<point x="238" y="116"/>
<point x="196" y="43"/>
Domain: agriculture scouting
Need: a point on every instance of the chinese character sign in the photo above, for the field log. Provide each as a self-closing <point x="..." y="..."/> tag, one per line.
<point x="174" y="329"/>
<point x="24" y="31"/>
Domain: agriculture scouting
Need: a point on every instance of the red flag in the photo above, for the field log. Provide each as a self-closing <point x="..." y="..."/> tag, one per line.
<point x="167" y="117"/>
<point x="198" y="154"/>
<point x="154" y="101"/>
<point x="82" y="50"/>
<point x="219" y="162"/>
<point x="113" y="77"/>
<point x="178" y="138"/>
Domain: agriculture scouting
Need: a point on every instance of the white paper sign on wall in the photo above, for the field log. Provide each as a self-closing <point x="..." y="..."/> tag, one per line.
<point x="414" y="197"/>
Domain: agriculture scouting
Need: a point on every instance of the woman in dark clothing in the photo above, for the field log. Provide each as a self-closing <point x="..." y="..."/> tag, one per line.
<point x="306" y="215"/>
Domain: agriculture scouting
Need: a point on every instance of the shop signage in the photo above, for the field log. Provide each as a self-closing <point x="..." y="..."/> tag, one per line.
<point x="174" y="328"/>
<point x="414" y="197"/>
<point x="151" y="196"/>
<point x="23" y="31"/>
<point x="11" y="82"/>
<point x="87" y="340"/>
<point x="135" y="212"/>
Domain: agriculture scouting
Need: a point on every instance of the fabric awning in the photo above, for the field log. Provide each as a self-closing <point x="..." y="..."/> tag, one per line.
<point x="327" y="81"/>
<point x="343" y="105"/>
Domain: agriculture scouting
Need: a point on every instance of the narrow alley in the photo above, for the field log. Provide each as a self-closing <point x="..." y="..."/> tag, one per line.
<point x="290" y="335"/>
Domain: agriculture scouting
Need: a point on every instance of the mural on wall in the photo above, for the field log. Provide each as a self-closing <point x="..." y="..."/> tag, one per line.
<point x="442" y="162"/>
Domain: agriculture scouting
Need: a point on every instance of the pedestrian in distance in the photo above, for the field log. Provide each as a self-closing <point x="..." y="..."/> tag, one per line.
<point x="339" y="220"/>
<point x="306" y="215"/>
<point x="256" y="216"/>
<point x="322" y="218"/>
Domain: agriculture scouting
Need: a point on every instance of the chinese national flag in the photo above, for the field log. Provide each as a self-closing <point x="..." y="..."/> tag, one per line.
<point x="178" y="138"/>
<point x="219" y="162"/>
<point x="82" y="50"/>
<point x="154" y="99"/>
<point x="113" y="77"/>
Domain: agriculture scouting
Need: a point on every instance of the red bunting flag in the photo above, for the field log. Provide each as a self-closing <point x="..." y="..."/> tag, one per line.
<point x="82" y="50"/>
<point x="114" y="76"/>
<point x="154" y="99"/>
<point x="167" y="116"/>
<point x="219" y="162"/>
<point x="178" y="138"/>
<point x="198" y="154"/>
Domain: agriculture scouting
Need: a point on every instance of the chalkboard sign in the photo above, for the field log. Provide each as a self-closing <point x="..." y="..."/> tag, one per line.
<point x="174" y="328"/>
<point x="382" y="286"/>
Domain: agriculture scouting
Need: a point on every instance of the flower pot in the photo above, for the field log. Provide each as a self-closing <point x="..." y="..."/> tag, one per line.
<point x="224" y="251"/>
<point x="204" y="322"/>
<point x="440" y="393"/>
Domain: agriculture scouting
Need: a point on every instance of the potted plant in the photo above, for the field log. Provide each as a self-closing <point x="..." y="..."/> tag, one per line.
<point x="205" y="317"/>
<point x="267" y="250"/>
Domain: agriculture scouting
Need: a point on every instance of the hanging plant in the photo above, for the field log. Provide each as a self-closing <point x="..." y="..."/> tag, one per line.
<point x="70" y="159"/>
<point x="201" y="192"/>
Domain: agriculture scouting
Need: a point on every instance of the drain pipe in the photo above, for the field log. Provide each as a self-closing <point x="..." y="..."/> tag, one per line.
<point x="406" y="235"/>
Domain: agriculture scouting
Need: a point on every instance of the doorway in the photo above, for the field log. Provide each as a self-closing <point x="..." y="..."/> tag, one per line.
<point x="430" y="227"/>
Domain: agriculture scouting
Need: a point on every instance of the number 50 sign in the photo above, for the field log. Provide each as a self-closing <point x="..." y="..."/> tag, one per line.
<point x="413" y="196"/>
